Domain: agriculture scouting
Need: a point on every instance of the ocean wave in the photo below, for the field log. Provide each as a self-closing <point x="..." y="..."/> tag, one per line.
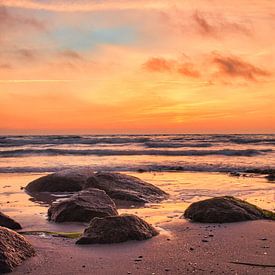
<point x="71" y="140"/>
<point x="176" y="145"/>
<point x="187" y="167"/>
<point x="108" y="152"/>
<point x="153" y="141"/>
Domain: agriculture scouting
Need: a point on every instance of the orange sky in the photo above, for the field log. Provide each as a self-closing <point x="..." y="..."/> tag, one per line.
<point x="137" y="66"/>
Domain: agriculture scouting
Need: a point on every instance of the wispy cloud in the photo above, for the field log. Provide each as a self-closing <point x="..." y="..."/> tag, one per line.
<point x="217" y="26"/>
<point x="172" y="66"/>
<point x="233" y="67"/>
<point x="9" y="20"/>
<point x="85" y="5"/>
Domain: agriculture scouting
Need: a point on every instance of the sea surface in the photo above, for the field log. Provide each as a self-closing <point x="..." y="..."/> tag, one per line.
<point x="201" y="153"/>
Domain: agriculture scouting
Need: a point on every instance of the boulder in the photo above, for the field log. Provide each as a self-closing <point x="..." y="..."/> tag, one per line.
<point x="14" y="249"/>
<point x="119" y="187"/>
<point x="82" y="207"/>
<point x="117" y="229"/>
<point x="271" y="176"/>
<point x="70" y="180"/>
<point x="8" y="222"/>
<point x="225" y="209"/>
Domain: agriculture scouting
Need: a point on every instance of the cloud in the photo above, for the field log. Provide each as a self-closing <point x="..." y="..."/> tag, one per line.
<point x="70" y="54"/>
<point x="204" y="27"/>
<point x="233" y="67"/>
<point x="159" y="65"/>
<point x="217" y="26"/>
<point x="9" y="20"/>
<point x="171" y="66"/>
<point x="5" y="66"/>
<point x="85" y="5"/>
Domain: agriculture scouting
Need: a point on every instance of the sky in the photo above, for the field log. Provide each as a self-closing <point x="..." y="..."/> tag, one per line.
<point x="137" y="66"/>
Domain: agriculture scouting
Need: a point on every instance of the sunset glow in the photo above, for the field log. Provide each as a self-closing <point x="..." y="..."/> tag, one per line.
<point x="137" y="66"/>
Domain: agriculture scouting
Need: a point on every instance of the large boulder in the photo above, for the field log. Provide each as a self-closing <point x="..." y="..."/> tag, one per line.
<point x="119" y="187"/>
<point x="117" y="229"/>
<point x="225" y="209"/>
<point x="82" y="207"/>
<point x="70" y="180"/>
<point x="8" y="222"/>
<point x="14" y="249"/>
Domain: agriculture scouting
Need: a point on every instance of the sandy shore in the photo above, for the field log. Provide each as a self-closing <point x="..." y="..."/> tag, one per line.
<point x="179" y="249"/>
<point x="183" y="248"/>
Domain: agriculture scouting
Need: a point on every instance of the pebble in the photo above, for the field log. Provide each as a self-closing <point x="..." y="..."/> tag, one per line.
<point x="204" y="241"/>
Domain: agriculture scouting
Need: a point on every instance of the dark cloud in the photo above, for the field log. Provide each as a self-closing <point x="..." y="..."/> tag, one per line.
<point x="233" y="67"/>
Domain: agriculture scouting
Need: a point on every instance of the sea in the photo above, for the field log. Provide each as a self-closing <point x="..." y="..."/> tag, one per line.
<point x="148" y="153"/>
<point x="188" y="167"/>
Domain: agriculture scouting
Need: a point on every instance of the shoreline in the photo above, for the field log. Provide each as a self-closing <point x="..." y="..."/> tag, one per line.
<point x="179" y="249"/>
<point x="182" y="251"/>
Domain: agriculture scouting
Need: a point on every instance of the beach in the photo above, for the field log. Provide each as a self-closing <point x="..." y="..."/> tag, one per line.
<point x="182" y="247"/>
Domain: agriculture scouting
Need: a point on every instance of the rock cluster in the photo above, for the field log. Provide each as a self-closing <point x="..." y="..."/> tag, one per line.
<point x="120" y="187"/>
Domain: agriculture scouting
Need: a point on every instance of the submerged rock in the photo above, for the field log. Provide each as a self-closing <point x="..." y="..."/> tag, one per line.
<point x="82" y="207"/>
<point x="225" y="209"/>
<point x="119" y="187"/>
<point x="117" y="229"/>
<point x="8" y="222"/>
<point x="14" y="249"/>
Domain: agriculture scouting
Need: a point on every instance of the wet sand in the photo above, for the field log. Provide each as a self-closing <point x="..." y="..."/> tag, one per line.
<point x="179" y="249"/>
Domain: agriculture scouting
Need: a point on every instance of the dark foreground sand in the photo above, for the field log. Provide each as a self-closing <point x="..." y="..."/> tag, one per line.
<point x="179" y="249"/>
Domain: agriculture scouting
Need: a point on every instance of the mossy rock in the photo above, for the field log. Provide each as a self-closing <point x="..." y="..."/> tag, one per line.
<point x="225" y="210"/>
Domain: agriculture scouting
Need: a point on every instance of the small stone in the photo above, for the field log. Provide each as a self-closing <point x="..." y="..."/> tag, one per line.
<point x="191" y="248"/>
<point x="204" y="241"/>
<point x="84" y="266"/>
<point x="167" y="269"/>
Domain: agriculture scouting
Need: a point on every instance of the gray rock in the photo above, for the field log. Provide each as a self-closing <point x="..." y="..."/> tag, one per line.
<point x="8" y="222"/>
<point x="117" y="229"/>
<point x="14" y="249"/>
<point x="83" y="207"/>
<point x="119" y="187"/>
<point x="225" y="209"/>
